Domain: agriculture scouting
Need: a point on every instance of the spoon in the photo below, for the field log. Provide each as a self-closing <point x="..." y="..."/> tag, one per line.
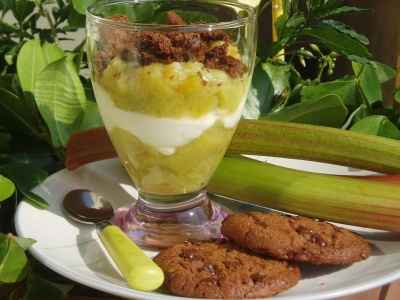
<point x="137" y="268"/>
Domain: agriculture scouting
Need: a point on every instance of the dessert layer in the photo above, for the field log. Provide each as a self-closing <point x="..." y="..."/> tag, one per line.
<point x="188" y="170"/>
<point x="145" y="48"/>
<point x="176" y="90"/>
<point x="163" y="134"/>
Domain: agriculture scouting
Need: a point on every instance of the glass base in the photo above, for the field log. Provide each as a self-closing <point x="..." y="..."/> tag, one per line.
<point x="162" y="225"/>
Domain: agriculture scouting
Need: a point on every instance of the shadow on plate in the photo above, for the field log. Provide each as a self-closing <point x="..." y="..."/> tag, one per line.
<point x="96" y="258"/>
<point x="381" y="236"/>
<point x="311" y="271"/>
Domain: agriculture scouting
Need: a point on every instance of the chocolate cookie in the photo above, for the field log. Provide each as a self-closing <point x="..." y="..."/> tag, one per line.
<point x="221" y="270"/>
<point x="295" y="238"/>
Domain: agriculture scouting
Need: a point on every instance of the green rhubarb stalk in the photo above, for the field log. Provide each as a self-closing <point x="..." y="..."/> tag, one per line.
<point x="339" y="199"/>
<point x="317" y="143"/>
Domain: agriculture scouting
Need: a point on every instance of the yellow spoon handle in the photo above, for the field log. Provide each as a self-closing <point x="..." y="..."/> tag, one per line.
<point x="137" y="268"/>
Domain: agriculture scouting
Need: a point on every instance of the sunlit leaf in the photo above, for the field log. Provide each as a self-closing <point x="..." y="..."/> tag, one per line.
<point x="24" y="243"/>
<point x="260" y="95"/>
<point x="327" y="111"/>
<point x="30" y="62"/>
<point x="384" y="72"/>
<point x="32" y="59"/>
<point x="13" y="260"/>
<point x="369" y="82"/>
<point x="61" y="99"/>
<point x="377" y="125"/>
<point x="81" y="5"/>
<point x="7" y="188"/>
<point x="52" y="52"/>
<point x="279" y="75"/>
<point x="343" y="88"/>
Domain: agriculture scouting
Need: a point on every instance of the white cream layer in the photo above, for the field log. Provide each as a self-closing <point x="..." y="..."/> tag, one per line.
<point x="164" y="134"/>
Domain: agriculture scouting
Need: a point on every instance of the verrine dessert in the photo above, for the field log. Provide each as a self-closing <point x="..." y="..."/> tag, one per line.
<point x="171" y="90"/>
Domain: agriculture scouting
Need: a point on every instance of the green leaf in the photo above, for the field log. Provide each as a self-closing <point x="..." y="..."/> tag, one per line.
<point x="397" y="96"/>
<point x="22" y="9"/>
<point x="24" y="243"/>
<point x="195" y="16"/>
<point x="61" y="99"/>
<point x="81" y="5"/>
<point x="39" y="288"/>
<point x="327" y="111"/>
<point x="7" y="188"/>
<point x="288" y="30"/>
<point x="5" y="139"/>
<point x="336" y="10"/>
<point x="369" y="82"/>
<point x="339" y="26"/>
<point x="91" y="117"/>
<point x="26" y="177"/>
<point x="30" y="62"/>
<point x="16" y="114"/>
<point x="75" y="19"/>
<point x="189" y="16"/>
<point x="39" y="2"/>
<point x="296" y="20"/>
<point x="377" y="125"/>
<point x="260" y="95"/>
<point x="358" y="114"/>
<point x="7" y="5"/>
<point x="384" y="72"/>
<point x="6" y="28"/>
<point x="338" y="41"/>
<point x="11" y="54"/>
<point x="38" y="155"/>
<point x="35" y="200"/>
<point x="279" y="75"/>
<point x="32" y="59"/>
<point x="13" y="260"/>
<point x="346" y="89"/>
<point x="52" y="52"/>
<point x="144" y="12"/>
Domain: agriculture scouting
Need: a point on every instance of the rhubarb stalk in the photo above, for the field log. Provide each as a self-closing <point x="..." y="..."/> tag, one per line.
<point x="317" y="143"/>
<point x="334" y="198"/>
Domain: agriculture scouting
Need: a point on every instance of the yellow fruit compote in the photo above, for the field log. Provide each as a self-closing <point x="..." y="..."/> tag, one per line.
<point x="170" y="123"/>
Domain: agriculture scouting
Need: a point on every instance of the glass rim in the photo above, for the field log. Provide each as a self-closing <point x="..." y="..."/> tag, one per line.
<point x="240" y="21"/>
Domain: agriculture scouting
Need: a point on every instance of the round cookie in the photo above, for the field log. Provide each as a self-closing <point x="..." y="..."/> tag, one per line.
<point x="221" y="270"/>
<point x="295" y="238"/>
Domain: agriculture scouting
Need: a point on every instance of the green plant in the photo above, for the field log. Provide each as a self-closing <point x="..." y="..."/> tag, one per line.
<point x="45" y="95"/>
<point x="298" y="73"/>
<point x="44" y="98"/>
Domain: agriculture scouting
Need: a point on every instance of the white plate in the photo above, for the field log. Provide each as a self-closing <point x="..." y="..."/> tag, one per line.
<point x="74" y="251"/>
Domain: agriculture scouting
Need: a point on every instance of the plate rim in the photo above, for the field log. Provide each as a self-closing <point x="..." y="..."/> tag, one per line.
<point x="126" y="292"/>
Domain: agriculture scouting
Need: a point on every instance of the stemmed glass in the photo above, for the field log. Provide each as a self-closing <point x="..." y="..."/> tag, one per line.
<point x="171" y="79"/>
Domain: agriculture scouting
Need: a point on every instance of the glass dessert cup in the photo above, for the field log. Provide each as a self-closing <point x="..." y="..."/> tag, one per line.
<point x="171" y="79"/>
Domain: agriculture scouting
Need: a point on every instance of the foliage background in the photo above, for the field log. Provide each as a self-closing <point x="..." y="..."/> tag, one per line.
<point x="319" y="71"/>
